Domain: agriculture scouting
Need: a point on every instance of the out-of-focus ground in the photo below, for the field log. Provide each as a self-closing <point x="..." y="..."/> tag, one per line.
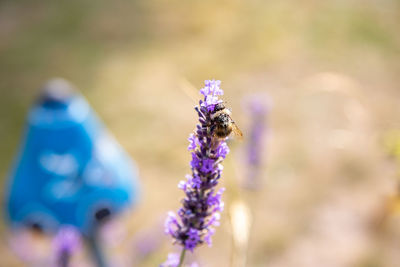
<point x="330" y="68"/>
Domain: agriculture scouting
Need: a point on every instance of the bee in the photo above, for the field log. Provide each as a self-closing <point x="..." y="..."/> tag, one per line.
<point x="222" y="124"/>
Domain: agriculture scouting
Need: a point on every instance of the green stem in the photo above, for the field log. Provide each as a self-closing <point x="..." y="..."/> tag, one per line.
<point x="182" y="257"/>
<point x="95" y="249"/>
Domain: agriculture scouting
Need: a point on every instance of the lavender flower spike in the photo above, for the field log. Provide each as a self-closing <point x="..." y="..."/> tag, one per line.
<point x="195" y="221"/>
<point x="258" y="109"/>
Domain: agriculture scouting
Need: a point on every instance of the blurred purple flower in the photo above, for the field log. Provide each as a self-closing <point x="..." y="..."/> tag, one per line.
<point x="201" y="206"/>
<point x="258" y="109"/>
<point x="148" y="245"/>
<point x="65" y="243"/>
<point x="173" y="261"/>
<point x="146" y="242"/>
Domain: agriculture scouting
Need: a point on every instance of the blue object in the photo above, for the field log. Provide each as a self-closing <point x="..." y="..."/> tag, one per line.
<point x="69" y="169"/>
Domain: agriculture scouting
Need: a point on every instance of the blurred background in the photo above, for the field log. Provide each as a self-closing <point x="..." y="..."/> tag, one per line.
<point x="331" y="70"/>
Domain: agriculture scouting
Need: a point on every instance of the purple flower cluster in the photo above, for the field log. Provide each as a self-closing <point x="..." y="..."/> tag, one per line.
<point x="193" y="225"/>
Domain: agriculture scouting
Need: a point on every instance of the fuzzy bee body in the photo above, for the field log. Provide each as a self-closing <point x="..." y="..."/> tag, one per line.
<point x="222" y="123"/>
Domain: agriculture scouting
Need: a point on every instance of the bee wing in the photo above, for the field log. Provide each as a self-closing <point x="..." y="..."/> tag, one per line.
<point x="238" y="133"/>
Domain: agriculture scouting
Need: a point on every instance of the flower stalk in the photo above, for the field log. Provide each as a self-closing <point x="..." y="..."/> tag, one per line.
<point x="182" y="257"/>
<point x="194" y="222"/>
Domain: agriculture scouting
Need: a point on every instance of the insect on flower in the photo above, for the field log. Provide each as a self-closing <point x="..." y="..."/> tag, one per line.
<point x="194" y="223"/>
<point x="222" y="123"/>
